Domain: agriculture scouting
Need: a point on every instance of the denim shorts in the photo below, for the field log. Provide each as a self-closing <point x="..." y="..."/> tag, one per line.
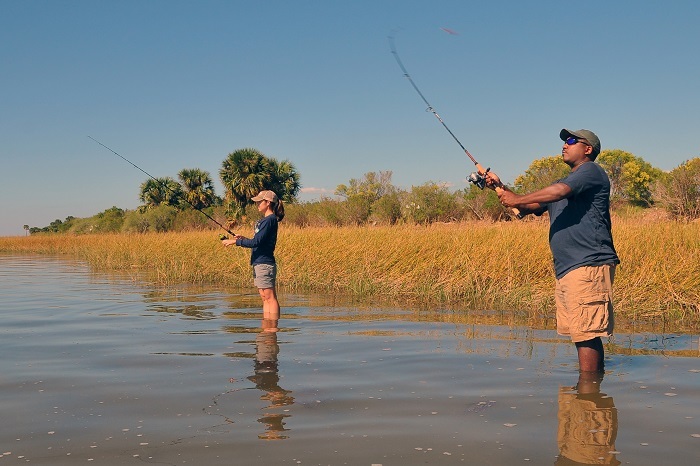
<point x="264" y="275"/>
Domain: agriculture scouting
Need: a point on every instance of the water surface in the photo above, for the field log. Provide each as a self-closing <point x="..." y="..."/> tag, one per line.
<point x="112" y="370"/>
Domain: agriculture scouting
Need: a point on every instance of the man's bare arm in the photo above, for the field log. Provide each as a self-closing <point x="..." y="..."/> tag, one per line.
<point x="533" y="202"/>
<point x="552" y="193"/>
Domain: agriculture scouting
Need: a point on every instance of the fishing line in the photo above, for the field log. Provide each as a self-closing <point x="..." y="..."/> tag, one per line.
<point x="162" y="184"/>
<point x="430" y="107"/>
<point x="479" y="177"/>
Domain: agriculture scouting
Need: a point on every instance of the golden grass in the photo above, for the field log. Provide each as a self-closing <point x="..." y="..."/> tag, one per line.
<point x="495" y="266"/>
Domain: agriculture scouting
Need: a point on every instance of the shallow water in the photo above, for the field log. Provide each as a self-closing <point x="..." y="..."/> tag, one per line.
<point x="111" y="370"/>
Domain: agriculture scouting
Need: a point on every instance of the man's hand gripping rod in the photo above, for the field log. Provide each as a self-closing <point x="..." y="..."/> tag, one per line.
<point x="478" y="177"/>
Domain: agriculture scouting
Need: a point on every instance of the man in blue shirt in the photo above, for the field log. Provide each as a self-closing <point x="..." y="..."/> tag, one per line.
<point x="581" y="242"/>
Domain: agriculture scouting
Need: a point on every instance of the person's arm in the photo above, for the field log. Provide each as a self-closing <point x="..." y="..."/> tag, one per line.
<point x="510" y="199"/>
<point x="257" y="239"/>
<point x="534" y="201"/>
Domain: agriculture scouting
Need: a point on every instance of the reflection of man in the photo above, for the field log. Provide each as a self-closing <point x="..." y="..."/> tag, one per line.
<point x="587" y="423"/>
<point x="266" y="378"/>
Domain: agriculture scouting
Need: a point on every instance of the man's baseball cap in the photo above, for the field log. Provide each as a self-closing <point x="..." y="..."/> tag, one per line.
<point x="582" y="134"/>
<point x="267" y="196"/>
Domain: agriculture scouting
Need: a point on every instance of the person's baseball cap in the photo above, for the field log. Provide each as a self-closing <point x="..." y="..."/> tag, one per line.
<point x="267" y="196"/>
<point x="582" y="134"/>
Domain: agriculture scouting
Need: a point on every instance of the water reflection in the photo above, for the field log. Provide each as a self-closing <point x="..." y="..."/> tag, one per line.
<point x="187" y="310"/>
<point x="266" y="378"/>
<point x="587" y="423"/>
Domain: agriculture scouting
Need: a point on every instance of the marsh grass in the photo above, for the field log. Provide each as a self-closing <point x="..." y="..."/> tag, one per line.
<point x="492" y="266"/>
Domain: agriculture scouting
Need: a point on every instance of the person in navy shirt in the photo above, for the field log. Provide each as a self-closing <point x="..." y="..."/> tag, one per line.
<point x="262" y="256"/>
<point x="580" y="238"/>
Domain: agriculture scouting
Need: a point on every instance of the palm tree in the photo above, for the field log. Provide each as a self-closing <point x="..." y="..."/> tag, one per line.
<point x="159" y="191"/>
<point x="244" y="174"/>
<point x="286" y="181"/>
<point x="198" y="187"/>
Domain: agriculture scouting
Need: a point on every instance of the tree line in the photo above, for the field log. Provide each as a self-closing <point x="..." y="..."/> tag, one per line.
<point x="244" y="173"/>
<point x="171" y="205"/>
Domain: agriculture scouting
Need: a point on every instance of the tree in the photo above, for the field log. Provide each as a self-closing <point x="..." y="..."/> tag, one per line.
<point x="246" y="172"/>
<point x="387" y="209"/>
<point x="631" y="177"/>
<point x="154" y="219"/>
<point x="361" y="196"/>
<point x="541" y="173"/>
<point x="109" y="220"/>
<point x="198" y="188"/>
<point x="429" y="203"/>
<point x="160" y="191"/>
<point x="285" y="180"/>
<point x="58" y="226"/>
<point x="679" y="191"/>
<point x="482" y="204"/>
<point x="26" y="229"/>
<point x="373" y="186"/>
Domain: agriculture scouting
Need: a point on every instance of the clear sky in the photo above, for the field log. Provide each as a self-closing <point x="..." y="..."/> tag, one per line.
<point x="172" y="84"/>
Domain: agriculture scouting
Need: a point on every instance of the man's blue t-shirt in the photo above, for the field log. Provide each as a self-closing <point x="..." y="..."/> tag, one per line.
<point x="263" y="242"/>
<point x="580" y="226"/>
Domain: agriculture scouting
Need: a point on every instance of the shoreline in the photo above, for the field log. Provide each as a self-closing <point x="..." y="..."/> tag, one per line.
<point x="473" y="266"/>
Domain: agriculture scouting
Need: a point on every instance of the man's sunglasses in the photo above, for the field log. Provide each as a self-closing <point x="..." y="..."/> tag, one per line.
<point x="570" y="141"/>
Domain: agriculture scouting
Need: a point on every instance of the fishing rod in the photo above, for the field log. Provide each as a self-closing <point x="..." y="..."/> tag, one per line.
<point x="165" y="186"/>
<point x="478" y="177"/>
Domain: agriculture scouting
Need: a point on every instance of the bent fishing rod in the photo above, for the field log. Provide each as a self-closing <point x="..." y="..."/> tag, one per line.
<point x="165" y="186"/>
<point x="478" y="177"/>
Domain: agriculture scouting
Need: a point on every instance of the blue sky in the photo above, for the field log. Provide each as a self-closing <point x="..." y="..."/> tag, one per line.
<point x="180" y="84"/>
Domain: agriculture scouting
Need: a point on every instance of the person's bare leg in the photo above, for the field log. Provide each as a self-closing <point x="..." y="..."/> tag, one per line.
<point x="591" y="355"/>
<point x="271" y="307"/>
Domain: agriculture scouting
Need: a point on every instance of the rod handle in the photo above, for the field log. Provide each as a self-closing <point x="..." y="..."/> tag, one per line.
<point x="515" y="210"/>
<point x="498" y="189"/>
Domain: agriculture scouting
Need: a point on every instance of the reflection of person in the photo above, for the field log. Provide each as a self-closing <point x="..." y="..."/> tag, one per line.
<point x="581" y="242"/>
<point x="587" y="423"/>
<point x="263" y="244"/>
<point x="266" y="378"/>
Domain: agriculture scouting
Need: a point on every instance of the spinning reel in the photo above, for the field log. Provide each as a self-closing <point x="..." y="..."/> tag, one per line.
<point x="478" y="179"/>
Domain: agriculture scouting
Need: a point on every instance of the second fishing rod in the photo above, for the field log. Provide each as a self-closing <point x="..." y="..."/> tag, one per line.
<point x="479" y="177"/>
<point x="166" y="187"/>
